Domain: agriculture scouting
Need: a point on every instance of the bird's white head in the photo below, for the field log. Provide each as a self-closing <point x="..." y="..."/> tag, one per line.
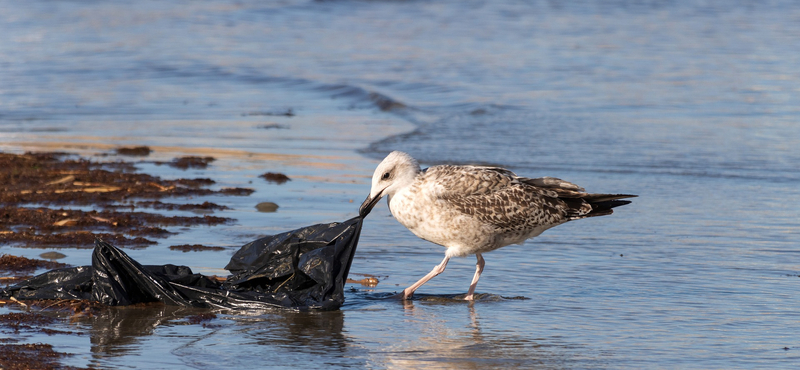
<point x="395" y="172"/>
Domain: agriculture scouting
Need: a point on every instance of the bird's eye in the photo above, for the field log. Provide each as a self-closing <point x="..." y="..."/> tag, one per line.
<point x="385" y="176"/>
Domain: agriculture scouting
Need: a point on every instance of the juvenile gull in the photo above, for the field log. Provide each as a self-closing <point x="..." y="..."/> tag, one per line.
<point x="476" y="209"/>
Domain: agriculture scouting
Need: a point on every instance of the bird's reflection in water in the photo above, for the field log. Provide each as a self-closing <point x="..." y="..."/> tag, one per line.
<point x="444" y="345"/>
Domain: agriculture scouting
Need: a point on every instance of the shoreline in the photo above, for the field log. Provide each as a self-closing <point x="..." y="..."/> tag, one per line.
<point x="320" y="152"/>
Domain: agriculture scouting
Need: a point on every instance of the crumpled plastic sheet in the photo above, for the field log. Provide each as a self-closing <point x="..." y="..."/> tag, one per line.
<point x="301" y="269"/>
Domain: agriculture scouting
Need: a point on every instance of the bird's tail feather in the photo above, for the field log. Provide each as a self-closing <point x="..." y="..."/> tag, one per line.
<point x="605" y="207"/>
<point x="591" y="205"/>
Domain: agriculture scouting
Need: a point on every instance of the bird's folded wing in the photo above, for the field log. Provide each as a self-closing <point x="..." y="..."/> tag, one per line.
<point x="449" y="182"/>
<point x="496" y="196"/>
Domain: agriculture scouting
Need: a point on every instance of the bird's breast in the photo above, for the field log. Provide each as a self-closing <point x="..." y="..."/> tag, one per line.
<point x="430" y="219"/>
<point x="406" y="210"/>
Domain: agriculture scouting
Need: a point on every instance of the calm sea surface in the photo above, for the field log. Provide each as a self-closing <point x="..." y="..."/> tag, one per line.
<point x="695" y="106"/>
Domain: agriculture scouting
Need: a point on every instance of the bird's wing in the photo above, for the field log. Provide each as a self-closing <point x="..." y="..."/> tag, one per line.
<point x="458" y="181"/>
<point x="498" y="197"/>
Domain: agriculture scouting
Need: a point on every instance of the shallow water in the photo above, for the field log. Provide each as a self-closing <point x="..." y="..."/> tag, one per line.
<point x="693" y="106"/>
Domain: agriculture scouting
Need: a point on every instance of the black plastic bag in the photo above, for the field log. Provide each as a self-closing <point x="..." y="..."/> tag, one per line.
<point x="302" y="269"/>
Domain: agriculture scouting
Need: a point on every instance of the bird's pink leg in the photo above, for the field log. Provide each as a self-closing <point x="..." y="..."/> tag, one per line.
<point x="478" y="269"/>
<point x="408" y="292"/>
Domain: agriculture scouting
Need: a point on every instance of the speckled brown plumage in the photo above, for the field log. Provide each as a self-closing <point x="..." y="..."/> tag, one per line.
<point x="475" y="209"/>
<point x="492" y="206"/>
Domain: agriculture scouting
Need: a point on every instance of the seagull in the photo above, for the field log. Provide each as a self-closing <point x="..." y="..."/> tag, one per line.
<point x="477" y="209"/>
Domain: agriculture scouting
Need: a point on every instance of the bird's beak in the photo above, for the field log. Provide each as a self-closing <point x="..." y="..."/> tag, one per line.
<point x="368" y="204"/>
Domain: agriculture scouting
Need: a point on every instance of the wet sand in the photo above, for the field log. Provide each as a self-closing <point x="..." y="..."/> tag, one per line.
<point x="116" y="189"/>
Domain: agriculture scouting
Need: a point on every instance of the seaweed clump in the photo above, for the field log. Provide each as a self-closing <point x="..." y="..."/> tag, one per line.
<point x="54" y="180"/>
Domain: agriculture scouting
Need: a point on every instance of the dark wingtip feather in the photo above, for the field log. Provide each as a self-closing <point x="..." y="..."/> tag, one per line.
<point x="604" y="207"/>
<point x="597" y="198"/>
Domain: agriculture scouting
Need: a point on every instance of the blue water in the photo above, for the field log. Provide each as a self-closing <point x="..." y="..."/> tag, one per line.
<point x="692" y="105"/>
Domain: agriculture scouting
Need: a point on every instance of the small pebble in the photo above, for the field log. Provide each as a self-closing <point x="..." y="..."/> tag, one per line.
<point x="266" y="207"/>
<point x="275" y="177"/>
<point x="52" y="255"/>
